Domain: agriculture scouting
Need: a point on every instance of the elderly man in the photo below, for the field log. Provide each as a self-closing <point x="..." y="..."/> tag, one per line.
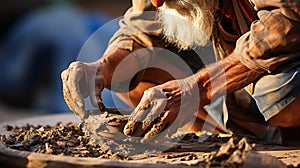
<point x="256" y="69"/>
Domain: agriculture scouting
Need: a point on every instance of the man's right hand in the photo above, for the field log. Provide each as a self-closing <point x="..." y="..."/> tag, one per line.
<point x="82" y="80"/>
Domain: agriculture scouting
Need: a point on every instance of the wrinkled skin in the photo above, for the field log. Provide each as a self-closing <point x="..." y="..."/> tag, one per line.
<point x="82" y="80"/>
<point x="160" y="105"/>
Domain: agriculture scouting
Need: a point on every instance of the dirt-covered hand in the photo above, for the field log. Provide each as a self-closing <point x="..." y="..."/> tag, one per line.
<point x="81" y="80"/>
<point x="164" y="107"/>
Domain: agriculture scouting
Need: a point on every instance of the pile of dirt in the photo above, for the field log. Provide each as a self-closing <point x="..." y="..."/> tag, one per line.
<point x="230" y="154"/>
<point x="71" y="140"/>
<point x="67" y="140"/>
<point x="100" y="136"/>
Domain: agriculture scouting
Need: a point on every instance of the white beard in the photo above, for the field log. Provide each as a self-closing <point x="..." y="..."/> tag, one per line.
<point x="187" y="23"/>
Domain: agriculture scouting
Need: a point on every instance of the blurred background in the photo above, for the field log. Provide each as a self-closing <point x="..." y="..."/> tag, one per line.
<point x="38" y="40"/>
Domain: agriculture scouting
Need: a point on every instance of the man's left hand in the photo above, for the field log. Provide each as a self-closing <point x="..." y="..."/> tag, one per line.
<point x="164" y="107"/>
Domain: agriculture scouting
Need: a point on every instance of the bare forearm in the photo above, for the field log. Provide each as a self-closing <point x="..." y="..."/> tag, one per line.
<point x="111" y="65"/>
<point x="223" y="77"/>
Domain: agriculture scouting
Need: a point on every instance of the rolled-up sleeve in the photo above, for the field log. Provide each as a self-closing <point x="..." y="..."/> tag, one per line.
<point x="138" y="26"/>
<point x="274" y="39"/>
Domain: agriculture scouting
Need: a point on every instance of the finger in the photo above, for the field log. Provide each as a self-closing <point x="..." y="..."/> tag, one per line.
<point x="136" y="117"/>
<point x="75" y="74"/>
<point x="80" y="112"/>
<point x="64" y="75"/>
<point x="66" y="92"/>
<point x="133" y="122"/>
<point x="69" y="101"/>
<point x="95" y="98"/>
<point x="163" y="136"/>
<point x="99" y="86"/>
<point x="130" y="127"/>
<point x="153" y="114"/>
<point x="67" y="98"/>
<point x="152" y="104"/>
<point x="95" y="92"/>
<point x="142" y="128"/>
<point x="158" y="127"/>
<point x="144" y="108"/>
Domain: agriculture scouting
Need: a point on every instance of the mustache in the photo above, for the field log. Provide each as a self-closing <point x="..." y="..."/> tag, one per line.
<point x="183" y="7"/>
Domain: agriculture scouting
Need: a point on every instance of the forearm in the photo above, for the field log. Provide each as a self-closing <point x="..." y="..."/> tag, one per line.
<point x="113" y="60"/>
<point x="223" y="77"/>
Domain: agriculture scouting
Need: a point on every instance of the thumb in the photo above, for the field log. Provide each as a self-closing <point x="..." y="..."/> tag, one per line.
<point x="95" y="94"/>
<point x="95" y="97"/>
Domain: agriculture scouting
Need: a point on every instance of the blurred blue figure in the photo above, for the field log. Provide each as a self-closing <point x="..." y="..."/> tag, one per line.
<point x="38" y="48"/>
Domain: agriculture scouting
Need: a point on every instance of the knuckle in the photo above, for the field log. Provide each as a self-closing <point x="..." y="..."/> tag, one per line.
<point x="154" y="92"/>
<point x="74" y="64"/>
<point x="64" y="74"/>
<point x="150" y="92"/>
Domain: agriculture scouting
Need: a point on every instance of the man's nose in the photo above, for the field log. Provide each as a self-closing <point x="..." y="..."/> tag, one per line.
<point x="157" y="3"/>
